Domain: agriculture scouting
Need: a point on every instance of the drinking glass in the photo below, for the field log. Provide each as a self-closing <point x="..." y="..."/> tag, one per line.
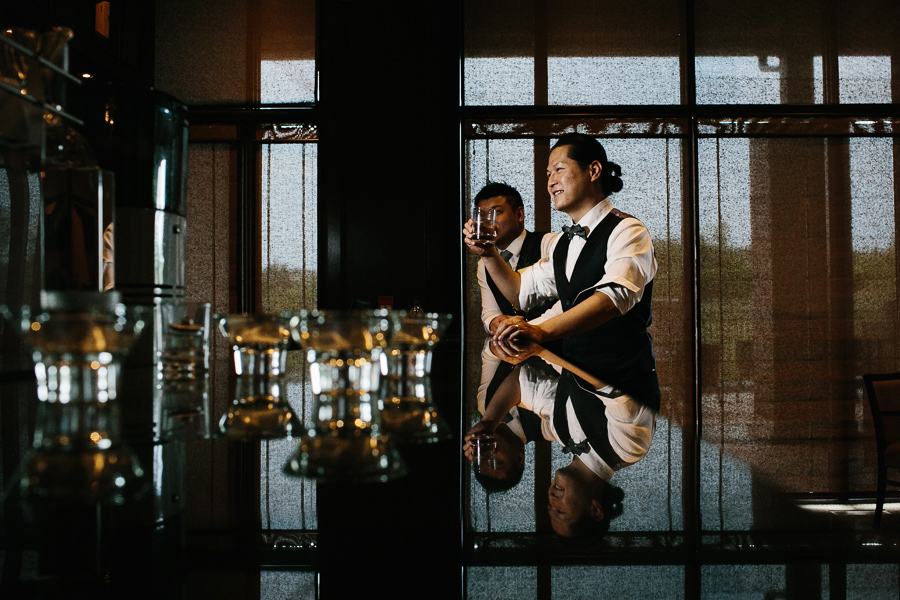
<point x="485" y="457"/>
<point x="79" y="341"/>
<point x="259" y="343"/>
<point x="345" y="353"/>
<point x="408" y="411"/>
<point x="181" y="337"/>
<point x="182" y="407"/>
<point x="484" y="221"/>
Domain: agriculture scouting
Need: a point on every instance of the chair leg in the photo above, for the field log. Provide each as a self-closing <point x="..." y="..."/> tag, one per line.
<point x="879" y="503"/>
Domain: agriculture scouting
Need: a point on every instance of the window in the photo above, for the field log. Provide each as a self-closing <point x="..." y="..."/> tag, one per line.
<point x="760" y="139"/>
<point x="252" y="225"/>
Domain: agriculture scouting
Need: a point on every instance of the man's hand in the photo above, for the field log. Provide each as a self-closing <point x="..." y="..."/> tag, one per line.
<point x="480" y="429"/>
<point x="483" y="249"/>
<point x="514" y="351"/>
<point x="495" y="323"/>
<point x="517" y="328"/>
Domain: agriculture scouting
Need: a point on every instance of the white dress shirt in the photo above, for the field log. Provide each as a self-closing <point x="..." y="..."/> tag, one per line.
<point x="489" y="307"/>
<point x="630" y="424"/>
<point x="630" y="264"/>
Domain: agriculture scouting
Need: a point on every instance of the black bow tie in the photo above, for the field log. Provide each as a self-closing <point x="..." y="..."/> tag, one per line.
<point x="577" y="449"/>
<point x="573" y="230"/>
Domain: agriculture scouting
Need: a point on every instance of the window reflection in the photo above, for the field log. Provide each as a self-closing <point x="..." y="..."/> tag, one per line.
<point x="865" y="79"/>
<point x="505" y="161"/>
<point x="738" y="80"/>
<point x="624" y="80"/>
<point x="236" y="52"/>
<point x="288" y="260"/>
<point x="797" y="301"/>
<point x="872" y="193"/>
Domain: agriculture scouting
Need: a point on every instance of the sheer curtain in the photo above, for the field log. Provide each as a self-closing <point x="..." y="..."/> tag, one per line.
<point x="775" y="228"/>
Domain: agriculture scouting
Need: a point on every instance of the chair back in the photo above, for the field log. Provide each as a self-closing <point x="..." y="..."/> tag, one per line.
<point x="883" y="391"/>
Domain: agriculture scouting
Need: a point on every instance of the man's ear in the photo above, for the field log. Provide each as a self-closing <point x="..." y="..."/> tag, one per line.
<point x="595" y="168"/>
<point x="520" y="460"/>
<point x="520" y="214"/>
<point x="597" y="512"/>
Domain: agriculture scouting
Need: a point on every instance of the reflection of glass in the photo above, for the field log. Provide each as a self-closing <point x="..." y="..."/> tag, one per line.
<point x="408" y="412"/>
<point x="485" y="459"/>
<point x="79" y="341"/>
<point x="182" y="339"/>
<point x="181" y="344"/>
<point x="345" y="351"/>
<point x="259" y="409"/>
<point x="182" y="406"/>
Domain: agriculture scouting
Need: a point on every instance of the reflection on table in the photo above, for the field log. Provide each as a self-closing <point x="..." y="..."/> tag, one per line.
<point x="530" y="394"/>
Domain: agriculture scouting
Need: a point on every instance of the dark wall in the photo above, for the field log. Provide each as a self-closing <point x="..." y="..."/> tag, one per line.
<point x="389" y="181"/>
<point x="126" y="55"/>
<point x="389" y="193"/>
<point x="389" y="152"/>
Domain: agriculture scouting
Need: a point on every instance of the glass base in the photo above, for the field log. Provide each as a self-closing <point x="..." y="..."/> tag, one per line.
<point x="360" y="459"/>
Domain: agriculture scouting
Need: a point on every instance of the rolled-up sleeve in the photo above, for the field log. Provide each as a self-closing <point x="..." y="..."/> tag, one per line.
<point x="631" y="429"/>
<point x="630" y="264"/>
<point x="490" y="309"/>
<point x="538" y="394"/>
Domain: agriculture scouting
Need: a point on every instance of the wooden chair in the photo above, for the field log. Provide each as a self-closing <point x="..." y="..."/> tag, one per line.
<point x="883" y="391"/>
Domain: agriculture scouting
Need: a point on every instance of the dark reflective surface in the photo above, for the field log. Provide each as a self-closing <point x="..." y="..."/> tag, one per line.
<point x="662" y="526"/>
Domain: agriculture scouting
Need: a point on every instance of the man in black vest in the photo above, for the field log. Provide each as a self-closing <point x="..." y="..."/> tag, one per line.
<point x="518" y="247"/>
<point x="601" y="269"/>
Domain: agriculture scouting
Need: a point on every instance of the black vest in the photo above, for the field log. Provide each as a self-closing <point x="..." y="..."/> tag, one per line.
<point x="530" y="254"/>
<point x="531" y="423"/>
<point x="591" y="414"/>
<point x="619" y="352"/>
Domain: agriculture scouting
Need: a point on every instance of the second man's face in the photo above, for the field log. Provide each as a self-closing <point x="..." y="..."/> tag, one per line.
<point x="510" y="222"/>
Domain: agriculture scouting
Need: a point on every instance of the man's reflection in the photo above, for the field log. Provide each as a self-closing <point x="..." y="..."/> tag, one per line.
<point x="528" y="393"/>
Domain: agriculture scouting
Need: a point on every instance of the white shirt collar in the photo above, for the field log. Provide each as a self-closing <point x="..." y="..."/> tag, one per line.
<point x="597" y="465"/>
<point x="593" y="217"/>
<point x="592" y="458"/>
<point x="515" y="246"/>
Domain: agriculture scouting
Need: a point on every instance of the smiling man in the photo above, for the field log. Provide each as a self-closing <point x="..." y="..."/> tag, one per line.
<point x="518" y="247"/>
<point x="601" y="269"/>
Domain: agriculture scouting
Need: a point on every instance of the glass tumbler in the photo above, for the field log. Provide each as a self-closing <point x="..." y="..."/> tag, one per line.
<point x="345" y="353"/>
<point x="181" y="343"/>
<point x="79" y="340"/>
<point x="259" y="343"/>
<point x="408" y="411"/>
